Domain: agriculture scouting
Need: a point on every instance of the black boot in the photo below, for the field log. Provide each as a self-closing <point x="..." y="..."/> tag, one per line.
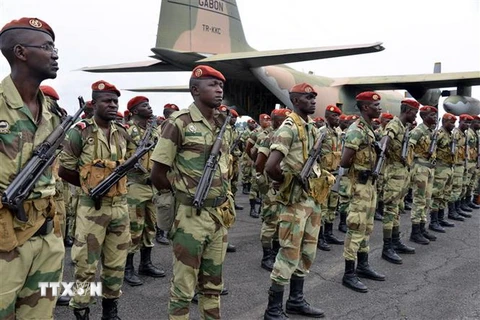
<point x="379" y="211"/>
<point x="342" y="226"/>
<point x="425" y="233"/>
<point x="407" y="206"/>
<point x="296" y="303"/>
<point x="82" y="314"/>
<point x="63" y="301"/>
<point x="253" y="210"/>
<point x="397" y="243"/>
<point x="417" y="236"/>
<point x="461" y="209"/>
<point x="455" y="212"/>
<point x="267" y="262"/>
<point x="328" y="236"/>
<point x="238" y="207"/>
<point x="464" y="206"/>
<point x="109" y="309"/>
<point x="275" y="248"/>
<point x="350" y="279"/>
<point x="231" y="248"/>
<point x="442" y="221"/>
<point x="434" y="224"/>
<point x="275" y="304"/>
<point x="130" y="276"/>
<point x="470" y="202"/>
<point x="388" y="253"/>
<point x="161" y="237"/>
<point x="322" y="244"/>
<point x="364" y="269"/>
<point x="146" y="266"/>
<point x="245" y="189"/>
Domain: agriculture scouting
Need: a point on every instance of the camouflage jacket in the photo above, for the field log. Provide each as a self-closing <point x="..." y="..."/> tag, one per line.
<point x="420" y="140"/>
<point x="184" y="145"/>
<point x="261" y="136"/>
<point x="396" y="131"/>
<point x="472" y="145"/>
<point x="360" y="137"/>
<point x="20" y="134"/>
<point x="460" y="139"/>
<point x="444" y="146"/>
<point x="264" y="146"/>
<point x="331" y="148"/>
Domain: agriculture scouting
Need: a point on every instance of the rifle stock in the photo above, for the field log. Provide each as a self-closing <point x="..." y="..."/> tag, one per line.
<point x="307" y="168"/>
<point x="43" y="156"/>
<point x="433" y="142"/>
<point x="380" y="161"/>
<point x="405" y="144"/>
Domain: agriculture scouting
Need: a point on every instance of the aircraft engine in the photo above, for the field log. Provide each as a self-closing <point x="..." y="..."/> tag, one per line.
<point x="458" y="105"/>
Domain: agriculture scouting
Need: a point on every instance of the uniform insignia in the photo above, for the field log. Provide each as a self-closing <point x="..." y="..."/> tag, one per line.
<point x="308" y="89"/>
<point x="4" y="126"/>
<point x="332" y="109"/>
<point x="101" y="86"/>
<point x="375" y="97"/>
<point x="35" y="23"/>
<point x="192" y="128"/>
<point x="198" y="73"/>
<point x="90" y="140"/>
<point x="82" y="125"/>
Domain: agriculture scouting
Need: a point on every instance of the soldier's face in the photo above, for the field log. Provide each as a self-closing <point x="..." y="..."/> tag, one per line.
<point x="449" y="124"/>
<point x="306" y="103"/>
<point x="143" y="110"/>
<point x="210" y="92"/>
<point x="373" y="109"/>
<point x="106" y="106"/>
<point x="430" y="119"/>
<point x="464" y="124"/>
<point x="411" y="115"/>
<point x="475" y="125"/>
<point x="332" y="118"/>
<point x="233" y="120"/>
<point x="42" y="61"/>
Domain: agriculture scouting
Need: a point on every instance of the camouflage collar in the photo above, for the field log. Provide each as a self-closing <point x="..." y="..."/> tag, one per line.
<point x="197" y="116"/>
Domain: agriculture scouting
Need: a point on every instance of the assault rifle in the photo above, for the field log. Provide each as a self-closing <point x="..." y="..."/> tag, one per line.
<point x="380" y="161"/>
<point x="118" y="173"/>
<point x="453" y="145"/>
<point x="42" y="158"/>
<point x="235" y="144"/>
<point x="433" y="142"/>
<point x="147" y="137"/>
<point x="405" y="144"/>
<point x="465" y="156"/>
<point x="210" y="167"/>
<point x="307" y="168"/>
<point x="478" y="151"/>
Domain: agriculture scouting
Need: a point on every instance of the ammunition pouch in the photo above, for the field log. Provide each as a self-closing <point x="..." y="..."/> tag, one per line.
<point x="320" y="187"/>
<point x="92" y="174"/>
<point x="362" y="176"/>
<point x="227" y="213"/>
<point x="290" y="191"/>
<point x="165" y="203"/>
<point x="331" y="161"/>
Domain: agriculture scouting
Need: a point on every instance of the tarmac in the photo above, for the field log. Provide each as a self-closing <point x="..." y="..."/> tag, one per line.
<point x="440" y="281"/>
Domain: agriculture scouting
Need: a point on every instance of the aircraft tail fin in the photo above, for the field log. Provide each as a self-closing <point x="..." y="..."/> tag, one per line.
<point x="204" y="26"/>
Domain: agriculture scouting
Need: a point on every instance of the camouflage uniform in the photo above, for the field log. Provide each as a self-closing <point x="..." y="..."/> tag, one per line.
<point x="27" y="258"/>
<point x="344" y="194"/>
<point x="472" y="141"/>
<point x="300" y="215"/>
<point x="199" y="237"/>
<point x="103" y="233"/>
<point x="247" y="163"/>
<point x="442" y="181"/>
<point x="256" y="135"/>
<point x="458" y="166"/>
<point x="360" y="137"/>
<point x="236" y="154"/>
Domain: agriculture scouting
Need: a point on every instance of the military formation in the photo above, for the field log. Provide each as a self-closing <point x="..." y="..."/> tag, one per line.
<point x="123" y="180"/>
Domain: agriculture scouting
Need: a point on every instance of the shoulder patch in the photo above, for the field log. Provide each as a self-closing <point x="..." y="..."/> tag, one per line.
<point x="81" y="124"/>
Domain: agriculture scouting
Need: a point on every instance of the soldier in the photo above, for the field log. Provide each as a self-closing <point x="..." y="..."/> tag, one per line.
<point x="375" y="124"/>
<point x="143" y="213"/>
<point x="319" y="122"/>
<point x="423" y="144"/>
<point x="442" y="179"/>
<point x="357" y="164"/>
<point x="247" y="164"/>
<point x="300" y="215"/>
<point x="344" y="192"/>
<point x="160" y="120"/>
<point x="30" y="251"/>
<point x="269" y="230"/>
<point x="163" y="199"/>
<point x="92" y="150"/>
<point x="470" y="161"/>
<point x="399" y="158"/>
<point x="235" y="153"/>
<point x="199" y="236"/>
<point x="330" y="161"/>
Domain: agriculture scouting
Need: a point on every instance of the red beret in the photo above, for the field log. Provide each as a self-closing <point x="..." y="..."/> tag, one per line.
<point x="284" y="112"/>
<point x="428" y="109"/>
<point x="171" y="106"/>
<point x="449" y="116"/>
<point x="264" y="116"/>
<point x="136" y="101"/>
<point x="83" y="116"/>
<point x="119" y="114"/>
<point x="126" y="113"/>
<point x="343" y="117"/>
<point x="234" y="113"/>
<point x="223" y="108"/>
<point x="466" y="117"/>
<point x="368" y="96"/>
<point x="203" y="71"/>
<point x="376" y="120"/>
<point x="49" y="91"/>
<point x="161" y="118"/>
<point x="476" y="118"/>
<point x="34" y="24"/>
<point x="386" y="115"/>
<point x="88" y="104"/>
<point x="104" y="86"/>
<point x="411" y="103"/>
<point x="318" y="119"/>
<point x="303" y="88"/>
<point x="251" y="121"/>
<point x="333" y="109"/>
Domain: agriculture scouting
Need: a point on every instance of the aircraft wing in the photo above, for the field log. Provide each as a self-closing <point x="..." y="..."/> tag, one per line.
<point x="255" y="59"/>
<point x="427" y="81"/>
<point x="140" y="66"/>
<point x="162" y="89"/>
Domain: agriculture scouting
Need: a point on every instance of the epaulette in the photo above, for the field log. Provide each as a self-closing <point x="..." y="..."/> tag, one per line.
<point x="179" y="113"/>
<point x="288" y="122"/>
<point x="124" y="126"/>
<point x="82" y="124"/>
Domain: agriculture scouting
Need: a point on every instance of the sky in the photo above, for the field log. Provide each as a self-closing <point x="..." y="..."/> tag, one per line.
<point x="415" y="34"/>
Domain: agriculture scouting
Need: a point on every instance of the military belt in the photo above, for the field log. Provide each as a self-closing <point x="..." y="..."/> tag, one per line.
<point x="45" y="229"/>
<point x="459" y="164"/>
<point x="425" y="163"/>
<point x="108" y="201"/>
<point x="187" y="200"/>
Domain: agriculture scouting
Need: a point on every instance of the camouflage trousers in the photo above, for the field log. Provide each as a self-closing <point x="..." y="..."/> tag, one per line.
<point x="254" y="188"/>
<point x="62" y="214"/>
<point x="143" y="216"/>
<point x="270" y="212"/>
<point x="298" y="228"/>
<point x="422" y="178"/>
<point x="360" y="219"/>
<point x="469" y="178"/>
<point x="457" y="182"/>
<point x="247" y="166"/>
<point x="101" y="235"/>
<point x="396" y="178"/>
<point x="442" y="186"/>
<point x="199" y="245"/>
<point x="39" y="259"/>
<point x="380" y="186"/>
<point x="330" y="207"/>
<point x="345" y="194"/>
<point x="235" y="173"/>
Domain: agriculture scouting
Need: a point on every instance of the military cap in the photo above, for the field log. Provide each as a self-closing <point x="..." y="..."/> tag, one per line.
<point x="171" y="106"/>
<point x="343" y="117"/>
<point x="251" y="121"/>
<point x="333" y="109"/>
<point x="136" y="101"/>
<point x="126" y="113"/>
<point x="476" y="118"/>
<point x="428" y="109"/>
<point x="368" y="96"/>
<point x="303" y="88"/>
<point x="119" y="114"/>
<point x="449" y="116"/>
<point x="203" y="71"/>
<point x="34" y="24"/>
<point x="318" y="119"/>
<point x="466" y="117"/>
<point x="386" y="115"/>
<point x="104" y="86"/>
<point x="284" y="112"/>
<point x="49" y="91"/>
<point x="411" y="103"/>
<point x="264" y="116"/>
<point x="234" y="113"/>
<point x="89" y="105"/>
<point x="376" y="120"/>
